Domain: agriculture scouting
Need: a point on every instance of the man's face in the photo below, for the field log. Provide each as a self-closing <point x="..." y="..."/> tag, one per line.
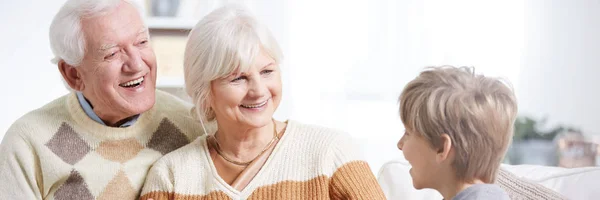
<point x="118" y="71"/>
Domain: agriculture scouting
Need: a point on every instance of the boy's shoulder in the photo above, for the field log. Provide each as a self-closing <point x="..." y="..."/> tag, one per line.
<point x="482" y="191"/>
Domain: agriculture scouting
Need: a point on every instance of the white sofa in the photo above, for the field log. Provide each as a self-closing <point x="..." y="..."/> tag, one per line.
<point x="575" y="183"/>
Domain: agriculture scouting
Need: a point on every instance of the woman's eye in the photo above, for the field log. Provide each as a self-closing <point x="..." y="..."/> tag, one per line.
<point x="238" y="79"/>
<point x="267" y="71"/>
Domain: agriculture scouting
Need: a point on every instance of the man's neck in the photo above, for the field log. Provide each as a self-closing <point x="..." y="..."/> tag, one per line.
<point x="121" y="122"/>
<point x="113" y="121"/>
<point x="102" y="118"/>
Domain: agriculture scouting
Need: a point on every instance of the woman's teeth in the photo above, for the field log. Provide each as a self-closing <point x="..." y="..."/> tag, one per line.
<point x="254" y="105"/>
<point x="133" y="83"/>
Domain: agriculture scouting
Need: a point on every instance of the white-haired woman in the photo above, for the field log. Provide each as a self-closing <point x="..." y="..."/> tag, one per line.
<point x="232" y="74"/>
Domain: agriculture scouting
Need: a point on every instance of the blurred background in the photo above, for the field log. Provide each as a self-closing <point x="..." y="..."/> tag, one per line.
<point x="346" y="62"/>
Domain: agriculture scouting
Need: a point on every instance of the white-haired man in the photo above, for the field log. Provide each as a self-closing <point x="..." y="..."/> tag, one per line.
<point x="99" y="141"/>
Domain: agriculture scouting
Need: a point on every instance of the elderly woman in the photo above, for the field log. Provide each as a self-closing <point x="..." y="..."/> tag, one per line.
<point x="232" y="74"/>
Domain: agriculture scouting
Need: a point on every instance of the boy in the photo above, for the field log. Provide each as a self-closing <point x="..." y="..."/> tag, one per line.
<point x="458" y="127"/>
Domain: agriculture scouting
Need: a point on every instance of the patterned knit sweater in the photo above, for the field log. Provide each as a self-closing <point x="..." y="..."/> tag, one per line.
<point x="309" y="162"/>
<point x="58" y="152"/>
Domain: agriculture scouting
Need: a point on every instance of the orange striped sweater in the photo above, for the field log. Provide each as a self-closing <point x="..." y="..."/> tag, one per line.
<point x="309" y="162"/>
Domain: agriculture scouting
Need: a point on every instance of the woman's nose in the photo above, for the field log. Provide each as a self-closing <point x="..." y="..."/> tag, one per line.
<point x="257" y="88"/>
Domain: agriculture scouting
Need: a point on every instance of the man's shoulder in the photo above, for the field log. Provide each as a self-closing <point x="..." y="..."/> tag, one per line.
<point x="169" y="102"/>
<point x="178" y="112"/>
<point x="48" y="111"/>
<point x="47" y="115"/>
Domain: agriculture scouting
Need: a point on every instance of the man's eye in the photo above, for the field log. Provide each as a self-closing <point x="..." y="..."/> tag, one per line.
<point x="110" y="55"/>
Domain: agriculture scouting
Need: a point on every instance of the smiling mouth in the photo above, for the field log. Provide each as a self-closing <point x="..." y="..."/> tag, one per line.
<point x="255" y="105"/>
<point x="133" y="83"/>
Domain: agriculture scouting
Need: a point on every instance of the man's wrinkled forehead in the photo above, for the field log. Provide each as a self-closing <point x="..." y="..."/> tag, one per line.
<point x="121" y="21"/>
<point x="103" y="34"/>
<point x="106" y="43"/>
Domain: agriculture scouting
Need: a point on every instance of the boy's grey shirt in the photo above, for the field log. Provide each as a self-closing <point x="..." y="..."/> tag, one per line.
<point x="482" y="191"/>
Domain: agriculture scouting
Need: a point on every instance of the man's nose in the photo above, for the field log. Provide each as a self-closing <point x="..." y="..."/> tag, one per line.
<point x="134" y="62"/>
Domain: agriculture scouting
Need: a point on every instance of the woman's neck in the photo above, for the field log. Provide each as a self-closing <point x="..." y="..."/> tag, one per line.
<point x="243" y="143"/>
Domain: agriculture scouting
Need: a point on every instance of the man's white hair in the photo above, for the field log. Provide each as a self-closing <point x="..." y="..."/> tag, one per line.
<point x="67" y="39"/>
<point x="224" y="41"/>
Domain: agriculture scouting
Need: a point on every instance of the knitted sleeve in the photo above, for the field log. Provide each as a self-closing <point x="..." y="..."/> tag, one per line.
<point x="519" y="188"/>
<point x="20" y="173"/>
<point x="352" y="177"/>
<point x="159" y="183"/>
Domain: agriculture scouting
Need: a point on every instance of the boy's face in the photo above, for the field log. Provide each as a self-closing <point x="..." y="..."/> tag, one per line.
<point x="422" y="157"/>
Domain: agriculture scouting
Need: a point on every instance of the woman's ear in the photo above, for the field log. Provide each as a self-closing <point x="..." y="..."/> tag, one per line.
<point x="446" y="148"/>
<point x="71" y="75"/>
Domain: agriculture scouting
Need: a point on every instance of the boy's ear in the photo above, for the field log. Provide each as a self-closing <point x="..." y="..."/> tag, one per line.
<point x="444" y="152"/>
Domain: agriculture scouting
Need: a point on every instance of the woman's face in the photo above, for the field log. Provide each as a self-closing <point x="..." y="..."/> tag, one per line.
<point x="248" y="98"/>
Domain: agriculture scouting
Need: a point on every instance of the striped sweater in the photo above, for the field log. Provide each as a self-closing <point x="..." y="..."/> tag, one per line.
<point x="58" y="152"/>
<point x="309" y="162"/>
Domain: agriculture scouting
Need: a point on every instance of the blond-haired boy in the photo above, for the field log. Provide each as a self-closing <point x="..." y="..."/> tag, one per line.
<point x="458" y="127"/>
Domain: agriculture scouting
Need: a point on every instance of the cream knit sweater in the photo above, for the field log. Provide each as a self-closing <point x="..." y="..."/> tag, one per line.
<point x="58" y="152"/>
<point x="309" y="162"/>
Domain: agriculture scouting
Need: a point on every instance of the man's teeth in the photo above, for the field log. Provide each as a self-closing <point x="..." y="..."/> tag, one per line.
<point x="134" y="82"/>
<point x="255" y="105"/>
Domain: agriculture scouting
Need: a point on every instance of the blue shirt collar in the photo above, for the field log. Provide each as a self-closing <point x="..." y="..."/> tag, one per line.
<point x="87" y="108"/>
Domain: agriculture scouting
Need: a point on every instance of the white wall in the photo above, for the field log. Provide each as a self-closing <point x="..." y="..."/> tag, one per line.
<point x="345" y="65"/>
<point x="27" y="77"/>
<point x="561" y="66"/>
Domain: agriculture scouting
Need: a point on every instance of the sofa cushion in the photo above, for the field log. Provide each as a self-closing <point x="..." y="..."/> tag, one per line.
<point x="577" y="183"/>
<point x="574" y="183"/>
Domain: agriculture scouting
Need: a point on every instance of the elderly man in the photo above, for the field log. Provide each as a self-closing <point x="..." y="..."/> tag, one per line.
<point x="99" y="141"/>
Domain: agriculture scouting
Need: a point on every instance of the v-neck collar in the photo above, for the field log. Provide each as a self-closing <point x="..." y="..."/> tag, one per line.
<point x="247" y="191"/>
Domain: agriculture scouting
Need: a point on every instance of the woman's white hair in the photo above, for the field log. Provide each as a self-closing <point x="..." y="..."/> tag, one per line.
<point x="66" y="35"/>
<point x="225" y="41"/>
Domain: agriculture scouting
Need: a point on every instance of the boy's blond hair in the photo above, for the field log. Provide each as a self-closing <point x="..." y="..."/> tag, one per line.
<point x="477" y="112"/>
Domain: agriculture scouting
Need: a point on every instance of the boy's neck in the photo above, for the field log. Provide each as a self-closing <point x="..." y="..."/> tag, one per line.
<point x="452" y="186"/>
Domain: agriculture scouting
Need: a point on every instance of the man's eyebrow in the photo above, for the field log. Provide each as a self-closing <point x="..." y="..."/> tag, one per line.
<point x="143" y="31"/>
<point x="104" y="47"/>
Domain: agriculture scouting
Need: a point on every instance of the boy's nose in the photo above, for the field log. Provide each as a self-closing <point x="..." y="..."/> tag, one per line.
<point x="401" y="143"/>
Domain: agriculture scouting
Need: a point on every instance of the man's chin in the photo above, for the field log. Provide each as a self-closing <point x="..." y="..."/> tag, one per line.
<point x="143" y="106"/>
<point x="139" y="105"/>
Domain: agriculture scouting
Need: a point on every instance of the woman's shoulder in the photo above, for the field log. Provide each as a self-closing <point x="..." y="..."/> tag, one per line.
<point x="328" y="147"/>
<point x="319" y="137"/>
<point x="192" y="152"/>
<point x="313" y="131"/>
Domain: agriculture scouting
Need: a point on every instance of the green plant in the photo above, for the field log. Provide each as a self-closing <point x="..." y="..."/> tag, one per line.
<point x="527" y="128"/>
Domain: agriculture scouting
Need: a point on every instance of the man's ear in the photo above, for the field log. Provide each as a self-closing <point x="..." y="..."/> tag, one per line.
<point x="446" y="149"/>
<point x="71" y="75"/>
